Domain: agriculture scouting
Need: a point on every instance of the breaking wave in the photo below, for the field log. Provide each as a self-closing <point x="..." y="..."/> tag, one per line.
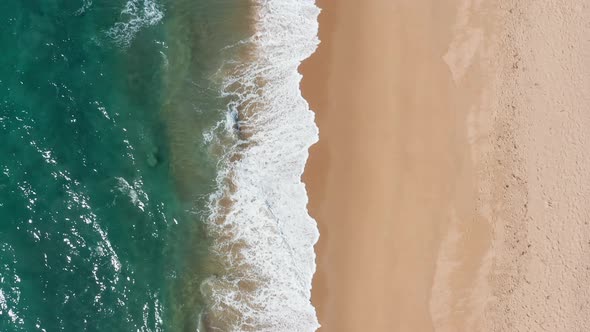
<point x="264" y="234"/>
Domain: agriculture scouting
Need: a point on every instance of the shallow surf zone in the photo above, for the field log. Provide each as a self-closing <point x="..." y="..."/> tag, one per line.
<point x="264" y="235"/>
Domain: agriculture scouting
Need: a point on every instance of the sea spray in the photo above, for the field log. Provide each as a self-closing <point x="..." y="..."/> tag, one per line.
<point x="264" y="233"/>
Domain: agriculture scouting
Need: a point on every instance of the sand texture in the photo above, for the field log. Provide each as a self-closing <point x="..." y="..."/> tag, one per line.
<point x="451" y="182"/>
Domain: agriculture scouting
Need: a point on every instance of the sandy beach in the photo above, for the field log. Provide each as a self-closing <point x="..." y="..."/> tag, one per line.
<point x="452" y="177"/>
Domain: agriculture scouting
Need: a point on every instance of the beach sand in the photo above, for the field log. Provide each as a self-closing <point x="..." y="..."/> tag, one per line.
<point x="452" y="177"/>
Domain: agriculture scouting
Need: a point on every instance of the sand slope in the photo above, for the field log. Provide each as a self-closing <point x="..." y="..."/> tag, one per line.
<point x="450" y="183"/>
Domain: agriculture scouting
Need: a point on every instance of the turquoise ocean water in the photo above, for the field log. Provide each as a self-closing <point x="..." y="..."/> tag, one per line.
<point x="105" y="169"/>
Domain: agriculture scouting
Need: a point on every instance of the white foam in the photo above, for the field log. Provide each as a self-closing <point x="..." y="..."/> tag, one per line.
<point x="134" y="192"/>
<point x="136" y="15"/>
<point x="85" y="5"/>
<point x="267" y="231"/>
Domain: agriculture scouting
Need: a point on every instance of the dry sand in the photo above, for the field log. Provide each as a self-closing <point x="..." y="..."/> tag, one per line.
<point x="451" y="183"/>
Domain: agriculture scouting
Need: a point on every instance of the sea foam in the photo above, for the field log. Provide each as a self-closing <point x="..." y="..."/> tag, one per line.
<point x="136" y="15"/>
<point x="259" y="217"/>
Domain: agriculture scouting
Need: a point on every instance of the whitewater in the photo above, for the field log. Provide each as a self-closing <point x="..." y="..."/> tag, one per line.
<point x="262" y="231"/>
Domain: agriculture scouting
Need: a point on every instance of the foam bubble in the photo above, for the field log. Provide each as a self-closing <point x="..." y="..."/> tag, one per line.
<point x="259" y="214"/>
<point x="136" y="15"/>
<point x="134" y="192"/>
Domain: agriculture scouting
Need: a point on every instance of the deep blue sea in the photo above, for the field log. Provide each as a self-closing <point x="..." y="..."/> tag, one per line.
<point x="104" y="169"/>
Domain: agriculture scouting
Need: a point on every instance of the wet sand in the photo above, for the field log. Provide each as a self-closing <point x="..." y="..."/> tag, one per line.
<point x="435" y="161"/>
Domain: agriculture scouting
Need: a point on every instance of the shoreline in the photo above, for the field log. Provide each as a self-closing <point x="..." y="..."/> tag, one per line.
<point x="432" y="178"/>
<point x="258" y="212"/>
